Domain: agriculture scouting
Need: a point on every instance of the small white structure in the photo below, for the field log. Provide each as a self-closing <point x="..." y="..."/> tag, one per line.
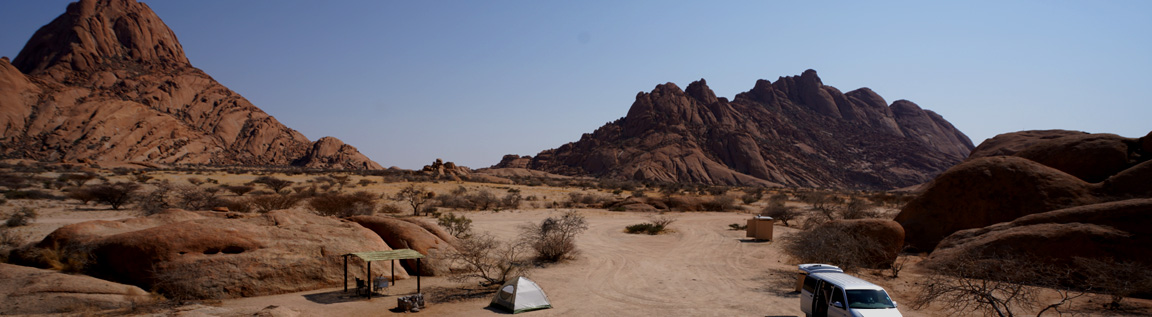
<point x="520" y="295"/>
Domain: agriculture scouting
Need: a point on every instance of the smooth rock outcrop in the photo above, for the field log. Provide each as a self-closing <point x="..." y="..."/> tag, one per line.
<point x="1120" y="230"/>
<point x="986" y="191"/>
<point x="796" y="132"/>
<point x="410" y="234"/>
<point x="29" y="291"/>
<point x="218" y="255"/>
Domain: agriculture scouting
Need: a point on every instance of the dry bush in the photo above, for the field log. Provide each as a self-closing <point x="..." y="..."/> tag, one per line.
<point x="389" y="209"/>
<point x="777" y="210"/>
<point x="554" y="239"/>
<point x="993" y="286"/>
<point x="656" y="225"/>
<point x="116" y="194"/>
<point x="1117" y="279"/>
<point x="482" y="257"/>
<point x="270" y="202"/>
<point x="720" y="203"/>
<point x="857" y="208"/>
<point x="823" y="202"/>
<point x="825" y="244"/>
<point x="167" y="195"/>
<point x="273" y="183"/>
<point x="680" y="203"/>
<point x="22" y="217"/>
<point x="237" y="205"/>
<point x="582" y="200"/>
<point x="239" y="190"/>
<point x="344" y="205"/>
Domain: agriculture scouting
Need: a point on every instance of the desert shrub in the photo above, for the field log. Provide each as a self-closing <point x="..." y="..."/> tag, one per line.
<point x="992" y="286"/>
<point x="239" y="190"/>
<point x="237" y="205"/>
<point x="511" y="200"/>
<point x="390" y="209"/>
<point x="582" y="200"/>
<point x="720" y="203"/>
<point x="777" y="210"/>
<point x="364" y="182"/>
<point x="458" y="226"/>
<point x="482" y="257"/>
<point x="193" y="198"/>
<point x="554" y="239"/>
<point x="822" y="202"/>
<point x="195" y="181"/>
<point x="343" y="205"/>
<point x="116" y="194"/>
<point x="716" y="190"/>
<point x="858" y="209"/>
<point x="826" y="244"/>
<point x="275" y="184"/>
<point x="22" y="217"/>
<point x="656" y="225"/>
<point x="77" y="179"/>
<point x="415" y="196"/>
<point x="752" y="195"/>
<point x="736" y="226"/>
<point x="9" y="240"/>
<point x="269" y="202"/>
<point x="684" y="203"/>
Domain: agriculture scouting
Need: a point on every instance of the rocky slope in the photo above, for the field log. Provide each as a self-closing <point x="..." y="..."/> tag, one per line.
<point x="795" y="131"/>
<point x="108" y="81"/>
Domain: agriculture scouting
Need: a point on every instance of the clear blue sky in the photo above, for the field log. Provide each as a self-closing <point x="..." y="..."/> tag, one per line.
<point x="468" y="81"/>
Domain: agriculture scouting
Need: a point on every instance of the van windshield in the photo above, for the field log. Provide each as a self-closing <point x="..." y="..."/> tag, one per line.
<point x="869" y="299"/>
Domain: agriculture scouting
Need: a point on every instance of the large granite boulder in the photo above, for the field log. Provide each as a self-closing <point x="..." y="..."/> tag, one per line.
<point x="216" y="255"/>
<point x="402" y="233"/>
<point x="30" y="291"/>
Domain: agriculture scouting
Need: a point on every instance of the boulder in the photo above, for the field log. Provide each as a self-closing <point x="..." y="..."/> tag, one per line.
<point x="1014" y="142"/>
<point x="26" y="291"/>
<point x="986" y="191"/>
<point x="1091" y="157"/>
<point x="408" y="234"/>
<point x="1120" y="230"/>
<point x="213" y="255"/>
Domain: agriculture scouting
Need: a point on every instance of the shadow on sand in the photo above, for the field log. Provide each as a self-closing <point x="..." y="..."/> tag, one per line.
<point x="336" y="297"/>
<point x="754" y="241"/>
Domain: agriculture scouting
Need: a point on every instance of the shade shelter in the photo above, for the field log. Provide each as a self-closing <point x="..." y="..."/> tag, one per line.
<point x="393" y="255"/>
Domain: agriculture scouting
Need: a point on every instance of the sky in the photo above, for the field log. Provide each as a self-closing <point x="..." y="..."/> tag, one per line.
<point x="407" y="82"/>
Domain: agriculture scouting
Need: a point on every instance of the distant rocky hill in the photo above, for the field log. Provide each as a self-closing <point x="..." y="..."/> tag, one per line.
<point x="108" y="81"/>
<point x="795" y="131"/>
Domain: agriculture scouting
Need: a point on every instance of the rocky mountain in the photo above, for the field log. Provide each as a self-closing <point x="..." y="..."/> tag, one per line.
<point x="795" y="131"/>
<point x="108" y="81"/>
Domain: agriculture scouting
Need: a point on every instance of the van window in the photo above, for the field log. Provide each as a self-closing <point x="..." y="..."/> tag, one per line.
<point x="869" y="299"/>
<point x="837" y="296"/>
<point x="809" y="284"/>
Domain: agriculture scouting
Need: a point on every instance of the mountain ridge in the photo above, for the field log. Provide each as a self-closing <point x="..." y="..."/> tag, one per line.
<point x="108" y="81"/>
<point x="792" y="132"/>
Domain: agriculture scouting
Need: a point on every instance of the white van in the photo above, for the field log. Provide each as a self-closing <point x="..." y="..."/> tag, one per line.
<point x="841" y="295"/>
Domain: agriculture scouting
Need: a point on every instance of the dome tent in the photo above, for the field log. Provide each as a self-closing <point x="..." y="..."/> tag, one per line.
<point x="520" y="295"/>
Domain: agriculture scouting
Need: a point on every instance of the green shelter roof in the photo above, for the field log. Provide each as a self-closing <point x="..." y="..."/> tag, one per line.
<point x="388" y="255"/>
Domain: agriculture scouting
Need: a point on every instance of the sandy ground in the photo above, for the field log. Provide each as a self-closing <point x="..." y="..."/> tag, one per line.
<point x="700" y="269"/>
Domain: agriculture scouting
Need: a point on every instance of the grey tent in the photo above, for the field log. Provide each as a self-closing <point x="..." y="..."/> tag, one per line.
<point x="520" y="295"/>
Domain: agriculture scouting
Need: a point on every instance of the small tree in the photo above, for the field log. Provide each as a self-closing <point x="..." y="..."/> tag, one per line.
<point x="415" y="196"/>
<point x="828" y="244"/>
<point x="777" y="210"/>
<point x="239" y="190"/>
<point x="483" y="257"/>
<point x="554" y="239"/>
<point x="270" y="202"/>
<point x="116" y="194"/>
<point x="273" y="183"/>
<point x="459" y="227"/>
